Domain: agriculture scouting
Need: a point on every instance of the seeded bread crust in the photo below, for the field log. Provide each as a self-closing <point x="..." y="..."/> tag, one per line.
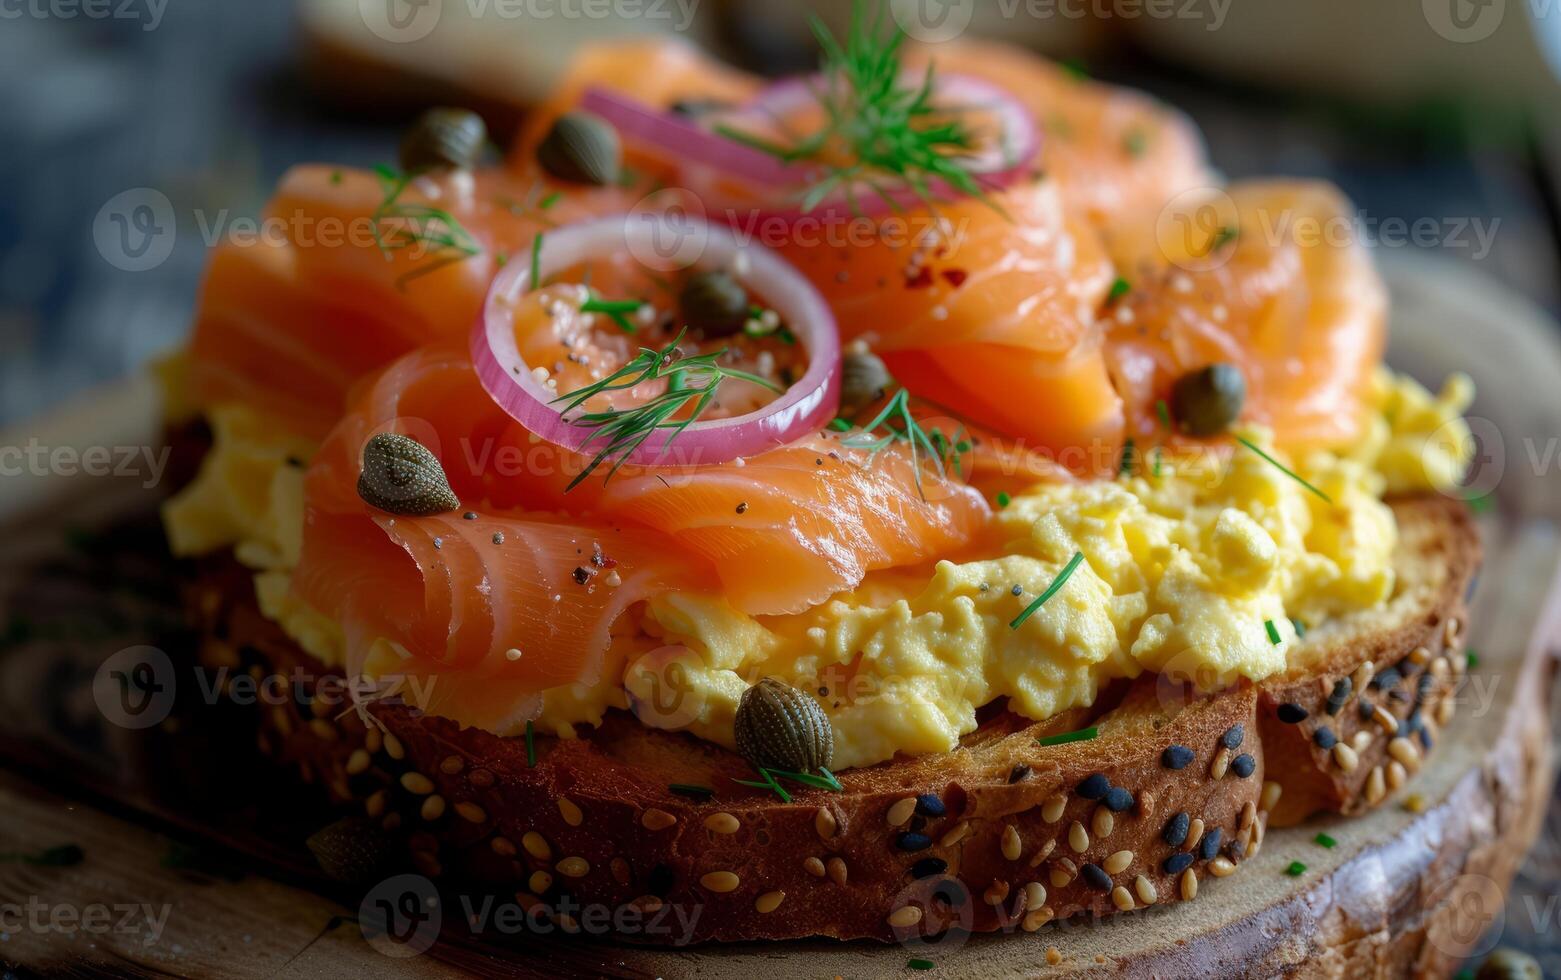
<point x="1176" y="787"/>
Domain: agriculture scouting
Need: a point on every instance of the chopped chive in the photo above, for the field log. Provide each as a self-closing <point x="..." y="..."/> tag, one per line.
<point x="1224" y="237"/>
<point x="1126" y="467"/>
<point x="531" y="746"/>
<point x="1003" y="499"/>
<point x="1287" y="471"/>
<point x="1296" y="869"/>
<point x="1051" y="590"/>
<point x="1157" y="455"/>
<point x="840" y="425"/>
<point x="1075" y="67"/>
<point x="1325" y="841"/>
<point x="808" y="779"/>
<point x="1082" y="735"/>
<point x="1273" y="632"/>
<point x="550" y="200"/>
<point x="335" y="176"/>
<point x="834" y="783"/>
<point x="501" y="259"/>
<point x="615" y="310"/>
<point x="1135" y="143"/>
<point x="1474" y="658"/>
<point x="768" y="783"/>
<point x="1120" y="288"/>
<point x="920" y="965"/>
<point x="1163" y="412"/>
<point x="1300" y="627"/>
<point x="689" y="789"/>
<point x="536" y="261"/>
<point x="1480" y="503"/>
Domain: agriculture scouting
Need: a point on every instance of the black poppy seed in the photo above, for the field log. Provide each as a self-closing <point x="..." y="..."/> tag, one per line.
<point x="1175" y="832"/>
<point x="951" y="892"/>
<point x="742" y="508"/>
<point x="1096" y="877"/>
<point x="913" y="842"/>
<point x="1292" y="714"/>
<point x="660" y="880"/>
<point x="1324" y="737"/>
<point x="1387" y="679"/>
<point x="1118" y="799"/>
<point x="1019" y="773"/>
<point x="1094" y="787"/>
<point x="582" y="575"/>
<point x="927" y="867"/>
<point x="1177" y="863"/>
<point x="1233" y="736"/>
<point x="498" y="537"/>
<point x="1243" y="765"/>
<point x="1017" y="590"/>
<point x="470" y="515"/>
<point x="1176" y="757"/>
<point x="929" y="805"/>
<point x="1365" y="708"/>
<point x="1425" y="738"/>
<point x="1209" y="845"/>
<point x="1340" y="694"/>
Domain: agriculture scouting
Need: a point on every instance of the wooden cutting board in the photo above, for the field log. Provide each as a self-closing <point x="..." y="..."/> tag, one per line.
<point x="191" y="846"/>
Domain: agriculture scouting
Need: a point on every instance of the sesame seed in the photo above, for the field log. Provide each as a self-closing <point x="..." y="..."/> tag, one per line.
<point x="1011" y="843"/>
<point x="1051" y="810"/>
<point x="1095" y="877"/>
<point x="1177" y="863"/>
<point x="502" y="846"/>
<point x="837" y="870"/>
<point x="1060" y="877"/>
<point x="512" y="654"/>
<point x="452" y="764"/>
<point x="1119" y="799"/>
<point x="1034" y="895"/>
<point x="1271" y="794"/>
<point x="1189" y="885"/>
<point x="768" y="902"/>
<point x="1175" y="832"/>
<point x="722" y="823"/>
<point x="654" y="819"/>
<point x="955" y="834"/>
<point x="927" y="867"/>
<point x="1385" y="720"/>
<point x="571" y="813"/>
<point x="416" y="782"/>
<point x="1376" y="786"/>
<point x="1103" y="822"/>
<point x="1094" y="787"/>
<point x="1405" y="752"/>
<point x="1345" y="757"/>
<point x="574" y="867"/>
<point x="536" y="845"/>
<point x="539" y="882"/>
<point x="358" y="762"/>
<point x="1122" y="899"/>
<point x="1362" y="740"/>
<point x="813" y="866"/>
<point x="1419" y="656"/>
<point x="1220" y="764"/>
<point x="1194" y="832"/>
<point x="900" y="812"/>
<point x="1146" y="890"/>
<point x="1362" y="676"/>
<point x="393" y="747"/>
<point x="905" y="916"/>
<point x="1397" y="774"/>
<point x="1248" y="816"/>
<point x="719" y="882"/>
<point x="375" y="804"/>
<point x="1078" y="838"/>
<point x="1292" y="714"/>
<point x="1243" y="765"/>
<point x="1118" y="862"/>
<point x="929" y="805"/>
<point x="1176" y="757"/>
<point x="1221" y="867"/>
<point x="824" y="823"/>
<point x="471" y="812"/>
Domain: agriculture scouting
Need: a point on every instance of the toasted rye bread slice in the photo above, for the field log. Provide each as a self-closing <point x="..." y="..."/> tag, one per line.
<point x="1002" y="831"/>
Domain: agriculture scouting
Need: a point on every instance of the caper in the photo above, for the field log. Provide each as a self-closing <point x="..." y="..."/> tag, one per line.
<point x="444" y="138"/>
<point x="1205" y="402"/>
<point x="582" y="148"/>
<point x="402" y="477"/>
<point x="780" y="727"/>
<point x="1509" y="964"/>
<point x="863" y="380"/>
<point x="714" y="303"/>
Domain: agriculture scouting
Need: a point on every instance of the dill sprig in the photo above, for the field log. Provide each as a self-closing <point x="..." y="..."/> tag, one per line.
<point x="899" y="425"/>
<point x="417" y="226"/>
<point x="623" y="430"/>
<point x="890" y="131"/>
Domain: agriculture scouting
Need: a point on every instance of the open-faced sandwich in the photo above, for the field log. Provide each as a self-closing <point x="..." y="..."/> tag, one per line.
<point x="909" y="495"/>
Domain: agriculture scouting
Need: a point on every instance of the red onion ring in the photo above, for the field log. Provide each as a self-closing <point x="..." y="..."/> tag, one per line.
<point x="805" y="407"/>
<point x="706" y="157"/>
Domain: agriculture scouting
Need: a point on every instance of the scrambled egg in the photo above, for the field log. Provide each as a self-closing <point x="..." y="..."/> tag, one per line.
<point x="1201" y="571"/>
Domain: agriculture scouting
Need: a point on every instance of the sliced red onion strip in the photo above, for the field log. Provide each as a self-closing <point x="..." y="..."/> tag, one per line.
<point x="805" y="407"/>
